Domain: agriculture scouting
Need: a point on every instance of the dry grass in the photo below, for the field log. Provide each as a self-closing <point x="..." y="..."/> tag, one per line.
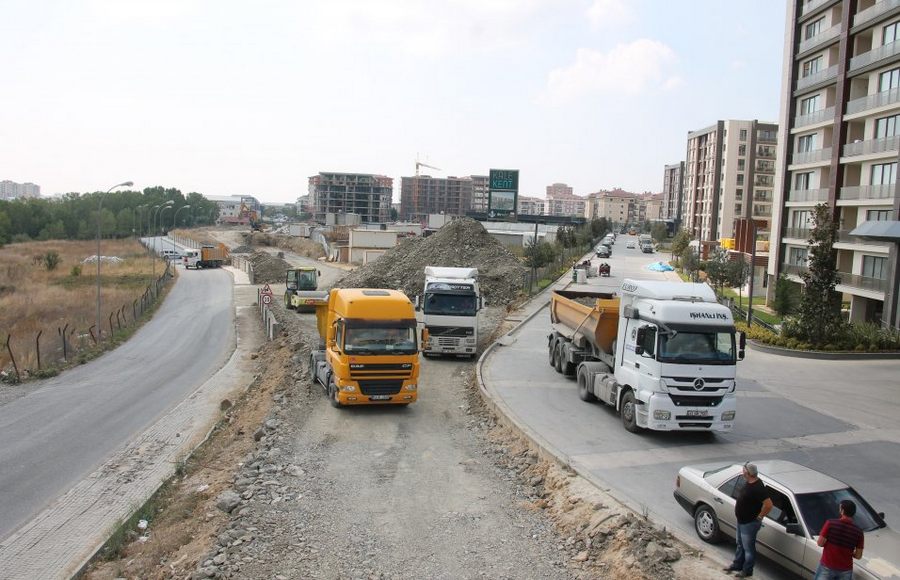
<point x="34" y="299"/>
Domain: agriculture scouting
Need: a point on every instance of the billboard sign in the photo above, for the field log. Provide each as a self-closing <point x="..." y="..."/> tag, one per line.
<point x="503" y="192"/>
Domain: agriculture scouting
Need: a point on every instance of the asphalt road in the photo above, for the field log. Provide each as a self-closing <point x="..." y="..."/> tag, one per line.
<point x="835" y="416"/>
<point x="62" y="428"/>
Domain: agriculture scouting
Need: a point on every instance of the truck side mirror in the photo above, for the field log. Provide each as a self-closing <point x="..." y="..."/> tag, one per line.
<point x="742" y="345"/>
<point x="639" y="340"/>
<point x="425" y="337"/>
<point x="416" y="302"/>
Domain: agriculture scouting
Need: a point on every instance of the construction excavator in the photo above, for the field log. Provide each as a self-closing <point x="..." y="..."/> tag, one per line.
<point x="251" y="215"/>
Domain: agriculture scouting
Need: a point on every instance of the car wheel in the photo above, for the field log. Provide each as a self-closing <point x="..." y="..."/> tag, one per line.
<point x="706" y="524"/>
<point x="584" y="393"/>
<point x="629" y="412"/>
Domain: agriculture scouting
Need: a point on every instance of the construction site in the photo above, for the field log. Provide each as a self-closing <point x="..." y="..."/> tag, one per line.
<point x="362" y="194"/>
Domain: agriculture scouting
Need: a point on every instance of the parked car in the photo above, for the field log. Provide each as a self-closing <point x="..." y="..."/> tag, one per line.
<point x="630" y="245"/>
<point x="803" y="498"/>
<point x="603" y="251"/>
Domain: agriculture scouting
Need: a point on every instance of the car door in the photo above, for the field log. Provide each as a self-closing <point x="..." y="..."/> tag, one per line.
<point x="724" y="499"/>
<point x="774" y="541"/>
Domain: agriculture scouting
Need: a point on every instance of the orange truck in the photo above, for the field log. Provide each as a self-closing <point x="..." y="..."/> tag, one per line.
<point x="369" y="351"/>
<point x="205" y="257"/>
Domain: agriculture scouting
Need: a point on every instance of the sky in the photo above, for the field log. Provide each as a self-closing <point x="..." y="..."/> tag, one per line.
<point x="230" y="98"/>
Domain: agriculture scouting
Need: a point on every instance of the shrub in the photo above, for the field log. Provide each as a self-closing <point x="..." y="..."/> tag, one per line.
<point x="75" y="271"/>
<point x="51" y="260"/>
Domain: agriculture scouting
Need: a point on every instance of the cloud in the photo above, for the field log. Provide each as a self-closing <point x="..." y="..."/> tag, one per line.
<point x="610" y="14"/>
<point x="628" y="69"/>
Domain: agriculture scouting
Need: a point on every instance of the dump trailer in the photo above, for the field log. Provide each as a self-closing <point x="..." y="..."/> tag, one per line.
<point x="369" y="350"/>
<point x="205" y="257"/>
<point x="300" y="289"/>
<point x="450" y="307"/>
<point x="663" y="354"/>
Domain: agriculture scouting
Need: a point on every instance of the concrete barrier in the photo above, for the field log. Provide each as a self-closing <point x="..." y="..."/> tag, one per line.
<point x="244" y="265"/>
<point x="270" y="322"/>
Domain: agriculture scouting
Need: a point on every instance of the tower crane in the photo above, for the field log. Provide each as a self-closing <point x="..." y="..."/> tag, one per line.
<point x="415" y="197"/>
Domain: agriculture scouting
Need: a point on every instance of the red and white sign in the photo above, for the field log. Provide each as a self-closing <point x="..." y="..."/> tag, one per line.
<point x="266" y="290"/>
<point x="267" y="299"/>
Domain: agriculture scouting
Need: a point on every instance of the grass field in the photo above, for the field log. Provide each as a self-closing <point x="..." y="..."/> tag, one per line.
<point x="34" y="298"/>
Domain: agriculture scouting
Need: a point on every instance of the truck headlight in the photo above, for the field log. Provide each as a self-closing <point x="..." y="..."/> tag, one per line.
<point x="411" y="387"/>
<point x="348" y="389"/>
<point x="662" y="415"/>
<point x="728" y="416"/>
<point x="470" y="341"/>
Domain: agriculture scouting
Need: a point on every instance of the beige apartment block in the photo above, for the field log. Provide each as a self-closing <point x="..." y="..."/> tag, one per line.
<point x="531" y="205"/>
<point x="562" y="202"/>
<point x="839" y="142"/>
<point x="672" y="192"/>
<point x="364" y="194"/>
<point x="480" y="189"/>
<point x="729" y="173"/>
<point x="422" y="196"/>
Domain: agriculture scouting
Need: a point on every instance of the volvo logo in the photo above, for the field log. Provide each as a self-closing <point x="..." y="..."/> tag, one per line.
<point x="699" y="384"/>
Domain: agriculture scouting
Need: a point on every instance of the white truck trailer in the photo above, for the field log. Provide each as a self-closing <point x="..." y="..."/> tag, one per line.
<point x="663" y="354"/>
<point x="450" y="307"/>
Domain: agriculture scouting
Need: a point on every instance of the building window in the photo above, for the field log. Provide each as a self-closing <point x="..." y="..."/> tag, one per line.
<point x="806" y="143"/>
<point x="889" y="79"/>
<point x="802" y="180"/>
<point x="742" y="150"/>
<point x="886" y="127"/>
<point x="889" y="33"/>
<point x="740" y="164"/>
<point x="743" y="135"/>
<point x="878" y="215"/>
<point x="800" y="219"/>
<point x="797" y="256"/>
<point x="738" y="208"/>
<point x="811" y="104"/>
<point x="739" y="194"/>
<point x="813" y="28"/>
<point x="874" y="267"/>
<point x="884" y="173"/>
<point x="740" y="179"/>
<point x="812" y="66"/>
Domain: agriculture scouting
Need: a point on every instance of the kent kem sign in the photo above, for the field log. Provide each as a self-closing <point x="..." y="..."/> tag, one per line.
<point x="503" y="192"/>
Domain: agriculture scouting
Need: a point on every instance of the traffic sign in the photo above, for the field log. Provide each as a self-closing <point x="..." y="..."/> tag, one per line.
<point x="267" y="299"/>
<point x="267" y="290"/>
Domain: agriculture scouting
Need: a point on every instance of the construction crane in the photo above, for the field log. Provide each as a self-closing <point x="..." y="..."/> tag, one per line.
<point x="415" y="199"/>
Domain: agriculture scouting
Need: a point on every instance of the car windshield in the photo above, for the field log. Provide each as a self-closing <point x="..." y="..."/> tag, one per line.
<point x="825" y="505"/>
<point x="387" y="340"/>
<point x="697" y="347"/>
<point x="450" y="304"/>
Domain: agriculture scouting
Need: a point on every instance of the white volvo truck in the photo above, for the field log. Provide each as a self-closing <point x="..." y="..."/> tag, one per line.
<point x="663" y="354"/>
<point x="449" y="309"/>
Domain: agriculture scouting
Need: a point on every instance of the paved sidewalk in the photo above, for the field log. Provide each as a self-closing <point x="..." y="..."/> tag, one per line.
<point x="61" y="539"/>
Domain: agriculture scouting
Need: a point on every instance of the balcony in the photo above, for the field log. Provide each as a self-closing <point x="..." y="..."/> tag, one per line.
<point x="871" y="146"/>
<point x="873" y="56"/>
<point x="821" y="38"/>
<point x="762" y="212"/>
<point x="819" y="77"/>
<point x="845" y="237"/>
<point x="873" y="12"/>
<point x="793" y="269"/>
<point x="765" y="153"/>
<point x="816" y="155"/>
<point x="854" y="192"/>
<point x="765" y="167"/>
<point x="764" y="181"/>
<point x="810" y="6"/>
<point x="846" y="279"/>
<point x="808" y="195"/>
<point x="765" y="138"/>
<point x="819" y="116"/>
<point x="795" y="233"/>
<point x="881" y="99"/>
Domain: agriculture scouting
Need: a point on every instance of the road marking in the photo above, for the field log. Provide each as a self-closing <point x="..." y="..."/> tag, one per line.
<point x="747" y="449"/>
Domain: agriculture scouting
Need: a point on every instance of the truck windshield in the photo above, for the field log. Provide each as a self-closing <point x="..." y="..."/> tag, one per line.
<point x="450" y="304"/>
<point x="697" y="347"/>
<point x="388" y="340"/>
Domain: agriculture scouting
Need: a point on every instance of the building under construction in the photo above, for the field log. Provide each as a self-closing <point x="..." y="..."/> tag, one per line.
<point x="364" y="194"/>
<point x="424" y="195"/>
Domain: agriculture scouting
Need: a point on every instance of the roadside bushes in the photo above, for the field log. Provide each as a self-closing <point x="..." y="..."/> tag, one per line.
<point x="856" y="337"/>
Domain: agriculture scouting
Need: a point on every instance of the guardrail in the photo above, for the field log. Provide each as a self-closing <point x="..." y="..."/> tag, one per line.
<point x="271" y="324"/>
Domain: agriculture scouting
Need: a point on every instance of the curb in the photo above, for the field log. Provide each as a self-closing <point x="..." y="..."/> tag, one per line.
<point x="821" y="354"/>
<point x="548" y="451"/>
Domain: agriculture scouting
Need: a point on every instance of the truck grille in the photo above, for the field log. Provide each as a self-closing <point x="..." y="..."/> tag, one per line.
<point x="384" y="387"/>
<point x="444" y="341"/>
<point x="698" y="401"/>
<point x="438" y="331"/>
<point x="378" y="371"/>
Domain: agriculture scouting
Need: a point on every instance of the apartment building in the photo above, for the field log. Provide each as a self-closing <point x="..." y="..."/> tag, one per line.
<point x="729" y="173"/>
<point x="839" y="144"/>
<point x="480" y="189"/>
<point x="13" y="190"/>
<point x="650" y="207"/>
<point x="618" y="206"/>
<point x="560" y="189"/>
<point x="561" y="201"/>
<point x="364" y="194"/>
<point x="531" y="205"/>
<point x="424" y="195"/>
<point x="673" y="189"/>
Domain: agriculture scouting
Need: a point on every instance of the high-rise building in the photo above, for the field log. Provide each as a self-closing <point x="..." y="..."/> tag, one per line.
<point x="559" y="189"/>
<point x="480" y="188"/>
<point x="839" y="144"/>
<point x="364" y="194"/>
<point x="729" y="173"/>
<point x="673" y="189"/>
<point x="13" y="190"/>
<point x="425" y="195"/>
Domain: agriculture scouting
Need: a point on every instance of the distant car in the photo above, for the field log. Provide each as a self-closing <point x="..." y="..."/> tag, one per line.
<point x="630" y="245"/>
<point x="803" y="498"/>
<point x="647" y="248"/>
<point x="603" y="251"/>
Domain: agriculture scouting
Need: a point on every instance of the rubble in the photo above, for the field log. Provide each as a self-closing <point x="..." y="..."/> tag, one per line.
<point x="245" y="249"/>
<point x="268" y="268"/>
<point x="463" y="243"/>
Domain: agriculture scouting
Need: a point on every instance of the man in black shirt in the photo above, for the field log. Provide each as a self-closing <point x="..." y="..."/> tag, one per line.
<point x="753" y="503"/>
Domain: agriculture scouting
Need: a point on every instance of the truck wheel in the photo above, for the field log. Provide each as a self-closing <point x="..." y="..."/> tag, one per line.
<point x="706" y="524"/>
<point x="551" y="349"/>
<point x="312" y="371"/>
<point x="558" y="358"/>
<point x="287" y="302"/>
<point x="584" y="391"/>
<point x="629" y="412"/>
<point x="332" y="395"/>
<point x="568" y="368"/>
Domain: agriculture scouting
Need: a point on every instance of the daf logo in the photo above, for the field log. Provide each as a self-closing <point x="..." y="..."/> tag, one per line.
<point x="699" y="384"/>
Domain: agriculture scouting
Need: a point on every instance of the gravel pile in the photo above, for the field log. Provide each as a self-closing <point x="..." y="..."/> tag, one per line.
<point x="462" y="243"/>
<point x="242" y="250"/>
<point x="268" y="268"/>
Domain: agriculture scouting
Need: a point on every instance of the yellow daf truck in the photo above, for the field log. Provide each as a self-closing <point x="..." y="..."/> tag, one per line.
<point x="369" y="351"/>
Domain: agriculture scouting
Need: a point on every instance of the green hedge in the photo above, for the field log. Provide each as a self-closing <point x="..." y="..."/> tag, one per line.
<point x="860" y="337"/>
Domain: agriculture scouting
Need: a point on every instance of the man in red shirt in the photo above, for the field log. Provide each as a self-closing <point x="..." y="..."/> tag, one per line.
<point x="842" y="540"/>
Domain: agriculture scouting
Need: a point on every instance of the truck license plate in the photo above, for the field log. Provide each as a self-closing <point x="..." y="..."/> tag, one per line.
<point x="380" y="398"/>
<point x="691" y="413"/>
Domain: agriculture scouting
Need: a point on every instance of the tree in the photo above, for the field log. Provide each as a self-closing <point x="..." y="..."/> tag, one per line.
<point x="690" y="262"/>
<point x="659" y="232"/>
<point x="680" y="243"/>
<point x="820" y="306"/>
<point x="539" y="253"/>
<point x="718" y="269"/>
<point x="738" y="273"/>
<point x="787" y="296"/>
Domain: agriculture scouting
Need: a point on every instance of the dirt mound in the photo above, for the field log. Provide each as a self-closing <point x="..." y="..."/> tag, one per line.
<point x="242" y="250"/>
<point x="268" y="268"/>
<point x="462" y="243"/>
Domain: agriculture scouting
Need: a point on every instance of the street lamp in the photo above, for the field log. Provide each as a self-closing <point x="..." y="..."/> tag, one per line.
<point x="158" y="214"/>
<point x="140" y="219"/>
<point x="99" y="222"/>
<point x="173" y="223"/>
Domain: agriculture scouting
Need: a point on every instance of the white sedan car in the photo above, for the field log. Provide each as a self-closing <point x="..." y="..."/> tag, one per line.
<point x="631" y="245"/>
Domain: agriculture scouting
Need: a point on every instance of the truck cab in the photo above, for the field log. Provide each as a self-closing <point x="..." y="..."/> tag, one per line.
<point x="450" y="307"/>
